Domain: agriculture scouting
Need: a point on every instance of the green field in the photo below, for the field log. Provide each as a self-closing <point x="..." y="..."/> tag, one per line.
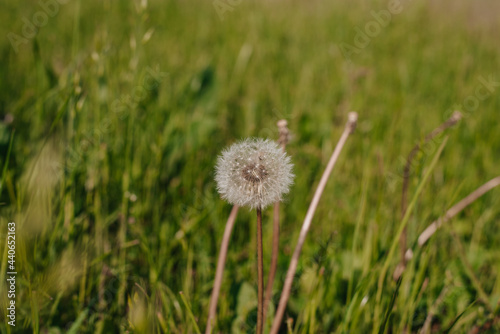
<point x="114" y="113"/>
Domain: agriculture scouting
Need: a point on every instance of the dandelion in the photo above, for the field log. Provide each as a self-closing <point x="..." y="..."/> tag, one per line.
<point x="254" y="173"/>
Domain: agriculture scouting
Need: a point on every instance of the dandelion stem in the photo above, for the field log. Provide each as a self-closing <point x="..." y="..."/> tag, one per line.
<point x="284" y="134"/>
<point x="351" y="123"/>
<point x="220" y="269"/>
<point x="260" y="274"/>
<point x="274" y="258"/>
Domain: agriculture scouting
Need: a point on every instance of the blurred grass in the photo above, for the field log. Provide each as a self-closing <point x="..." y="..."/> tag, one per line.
<point x="111" y="185"/>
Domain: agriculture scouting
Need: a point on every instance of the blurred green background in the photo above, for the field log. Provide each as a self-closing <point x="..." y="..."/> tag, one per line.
<point x="120" y="109"/>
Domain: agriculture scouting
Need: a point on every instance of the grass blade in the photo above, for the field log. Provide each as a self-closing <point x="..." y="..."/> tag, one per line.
<point x="190" y="313"/>
<point x="402" y="225"/>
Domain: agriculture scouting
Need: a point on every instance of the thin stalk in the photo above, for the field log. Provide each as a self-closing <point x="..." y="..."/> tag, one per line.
<point x="189" y="312"/>
<point x="483" y="297"/>
<point x="406" y="179"/>
<point x="285" y="295"/>
<point x="220" y="269"/>
<point x="260" y="274"/>
<point x="274" y="258"/>
<point x="432" y="228"/>
<point x="284" y="135"/>
<point x="394" y="245"/>
<point x="433" y="311"/>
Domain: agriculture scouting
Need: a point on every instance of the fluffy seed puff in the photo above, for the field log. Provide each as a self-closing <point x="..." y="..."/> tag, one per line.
<point x="254" y="172"/>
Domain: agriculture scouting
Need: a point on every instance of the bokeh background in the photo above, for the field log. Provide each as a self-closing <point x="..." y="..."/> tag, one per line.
<point x="116" y="111"/>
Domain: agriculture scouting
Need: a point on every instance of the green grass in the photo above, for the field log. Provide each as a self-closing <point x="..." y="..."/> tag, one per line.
<point x="110" y="178"/>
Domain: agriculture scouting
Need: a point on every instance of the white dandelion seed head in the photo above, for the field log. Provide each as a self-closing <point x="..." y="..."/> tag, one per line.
<point x="254" y="172"/>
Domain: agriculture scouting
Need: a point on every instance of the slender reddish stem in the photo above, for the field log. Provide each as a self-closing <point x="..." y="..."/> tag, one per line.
<point x="453" y="211"/>
<point x="274" y="257"/>
<point x="457" y="116"/>
<point x="284" y="136"/>
<point x="260" y="274"/>
<point x="220" y="269"/>
<point x="285" y="295"/>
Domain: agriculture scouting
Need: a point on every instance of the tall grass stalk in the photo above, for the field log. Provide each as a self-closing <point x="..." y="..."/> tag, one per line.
<point x="402" y="225"/>
<point x="221" y="262"/>
<point x="283" y="140"/>
<point x="455" y="117"/>
<point x="454" y="210"/>
<point x="285" y="294"/>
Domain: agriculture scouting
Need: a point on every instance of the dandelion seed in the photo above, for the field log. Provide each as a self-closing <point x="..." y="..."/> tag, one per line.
<point x="254" y="173"/>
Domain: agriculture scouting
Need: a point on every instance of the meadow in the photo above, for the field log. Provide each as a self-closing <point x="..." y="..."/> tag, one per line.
<point x="113" y="114"/>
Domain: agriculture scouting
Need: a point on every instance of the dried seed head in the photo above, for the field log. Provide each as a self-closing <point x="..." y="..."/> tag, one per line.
<point x="254" y="173"/>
